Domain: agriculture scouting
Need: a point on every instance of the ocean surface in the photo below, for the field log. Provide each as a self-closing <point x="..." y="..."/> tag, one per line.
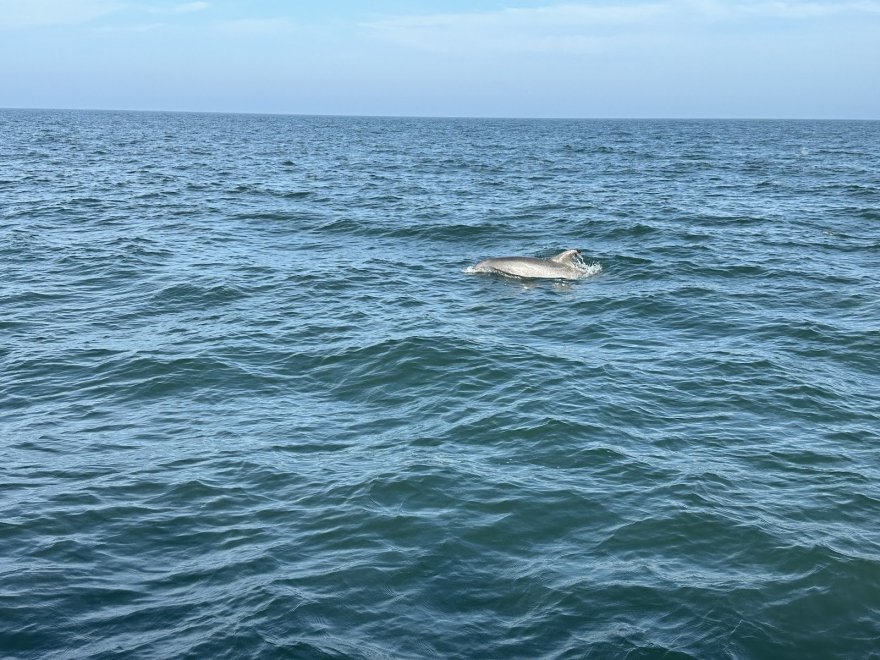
<point x="251" y="405"/>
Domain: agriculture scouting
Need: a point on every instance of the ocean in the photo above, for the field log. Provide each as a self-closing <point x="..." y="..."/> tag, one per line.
<point x="253" y="405"/>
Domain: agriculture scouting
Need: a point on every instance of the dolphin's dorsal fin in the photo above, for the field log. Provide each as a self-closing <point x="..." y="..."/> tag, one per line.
<point x="565" y="257"/>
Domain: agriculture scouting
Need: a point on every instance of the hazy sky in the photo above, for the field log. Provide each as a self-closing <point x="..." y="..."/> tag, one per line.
<point x="520" y="58"/>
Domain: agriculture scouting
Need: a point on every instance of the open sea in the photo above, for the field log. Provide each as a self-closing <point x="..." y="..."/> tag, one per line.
<point x="251" y="405"/>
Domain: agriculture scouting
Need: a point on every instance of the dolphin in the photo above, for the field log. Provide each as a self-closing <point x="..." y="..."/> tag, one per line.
<point x="564" y="266"/>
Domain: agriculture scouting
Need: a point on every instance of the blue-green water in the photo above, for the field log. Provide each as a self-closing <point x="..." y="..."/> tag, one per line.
<point x="250" y="405"/>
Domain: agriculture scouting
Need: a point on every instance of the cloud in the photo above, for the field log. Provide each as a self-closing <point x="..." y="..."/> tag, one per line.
<point x="578" y="27"/>
<point x="250" y="27"/>
<point x="780" y="9"/>
<point x="17" y="14"/>
<point x="37" y="13"/>
<point x="129" y="28"/>
<point x="559" y="27"/>
<point x="186" y="8"/>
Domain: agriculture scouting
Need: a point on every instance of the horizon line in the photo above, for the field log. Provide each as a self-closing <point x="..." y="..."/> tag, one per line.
<point x="428" y="116"/>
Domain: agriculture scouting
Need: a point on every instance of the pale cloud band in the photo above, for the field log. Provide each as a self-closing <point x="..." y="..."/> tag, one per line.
<point x="186" y="8"/>
<point x="582" y="26"/>
<point x="16" y="14"/>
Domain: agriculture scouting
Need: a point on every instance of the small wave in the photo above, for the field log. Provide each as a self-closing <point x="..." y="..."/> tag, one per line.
<point x="867" y="213"/>
<point x="636" y="230"/>
<point x="449" y="232"/>
<point x="191" y="295"/>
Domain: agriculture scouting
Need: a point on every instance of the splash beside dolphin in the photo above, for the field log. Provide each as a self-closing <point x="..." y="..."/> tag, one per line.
<point x="564" y="266"/>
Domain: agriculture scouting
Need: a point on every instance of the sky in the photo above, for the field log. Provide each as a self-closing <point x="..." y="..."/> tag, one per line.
<point x="482" y="58"/>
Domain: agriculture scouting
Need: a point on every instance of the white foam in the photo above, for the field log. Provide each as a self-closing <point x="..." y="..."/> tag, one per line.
<point x="587" y="270"/>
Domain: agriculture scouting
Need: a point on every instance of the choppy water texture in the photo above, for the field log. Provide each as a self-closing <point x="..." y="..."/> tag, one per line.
<point x="251" y="405"/>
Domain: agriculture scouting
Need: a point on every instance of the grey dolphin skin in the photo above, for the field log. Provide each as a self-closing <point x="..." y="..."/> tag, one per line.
<point x="561" y="267"/>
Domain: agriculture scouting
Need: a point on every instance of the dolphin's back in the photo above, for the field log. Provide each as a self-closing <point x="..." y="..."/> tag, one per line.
<point x="529" y="267"/>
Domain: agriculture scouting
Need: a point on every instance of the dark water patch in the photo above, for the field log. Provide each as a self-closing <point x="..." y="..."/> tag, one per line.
<point x="635" y="230"/>
<point x="866" y="213"/>
<point x="295" y="194"/>
<point x="189" y="296"/>
<point x="451" y="232"/>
